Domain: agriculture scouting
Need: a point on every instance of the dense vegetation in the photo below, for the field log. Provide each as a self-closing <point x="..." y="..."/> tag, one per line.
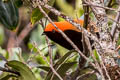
<point x="26" y="53"/>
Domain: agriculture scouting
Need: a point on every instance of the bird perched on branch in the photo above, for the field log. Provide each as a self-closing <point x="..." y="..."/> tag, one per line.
<point x="71" y="31"/>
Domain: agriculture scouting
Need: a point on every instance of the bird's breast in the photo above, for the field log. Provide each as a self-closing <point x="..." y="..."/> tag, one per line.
<point x="73" y="35"/>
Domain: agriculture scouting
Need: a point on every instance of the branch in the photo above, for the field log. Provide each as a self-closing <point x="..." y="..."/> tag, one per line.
<point x="52" y="68"/>
<point x="8" y="70"/>
<point x="114" y="26"/>
<point x="86" y="15"/>
<point x="98" y="11"/>
<point x="107" y="8"/>
<point x="24" y="33"/>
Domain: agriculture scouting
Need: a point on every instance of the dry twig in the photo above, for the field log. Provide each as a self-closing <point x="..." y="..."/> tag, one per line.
<point x="54" y="71"/>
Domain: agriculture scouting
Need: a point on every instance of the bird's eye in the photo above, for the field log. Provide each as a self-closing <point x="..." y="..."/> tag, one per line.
<point x="53" y="31"/>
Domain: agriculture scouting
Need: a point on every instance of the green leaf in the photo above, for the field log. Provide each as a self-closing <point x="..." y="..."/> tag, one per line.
<point x="59" y="63"/>
<point x="2" y="35"/>
<point x="64" y="58"/>
<point x="2" y="57"/>
<point x="83" y="75"/>
<point x="9" y="16"/>
<point x="61" y="71"/>
<point x="89" y="77"/>
<point x="37" y="15"/>
<point x="66" y="8"/>
<point x="118" y="42"/>
<point x="7" y="77"/>
<point x="96" y="55"/>
<point x="3" y="75"/>
<point x="18" y="3"/>
<point x="44" y="68"/>
<point x="4" y="53"/>
<point x="23" y="69"/>
<point x="40" y="59"/>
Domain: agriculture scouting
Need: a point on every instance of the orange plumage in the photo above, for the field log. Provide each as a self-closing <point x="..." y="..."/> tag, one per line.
<point x="63" y="25"/>
<point x="71" y="31"/>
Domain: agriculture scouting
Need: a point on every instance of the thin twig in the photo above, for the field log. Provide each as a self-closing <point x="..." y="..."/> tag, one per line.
<point x="8" y="70"/>
<point x="11" y="42"/>
<point x="50" y="53"/>
<point x="107" y="8"/>
<point x="54" y="71"/>
<point x="85" y="75"/>
<point x="114" y="26"/>
<point x="86" y="15"/>
<point x="24" y="33"/>
<point x="118" y="72"/>
<point x="114" y="20"/>
<point x="91" y="53"/>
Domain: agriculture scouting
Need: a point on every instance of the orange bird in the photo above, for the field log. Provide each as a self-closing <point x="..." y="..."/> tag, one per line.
<point x="71" y="31"/>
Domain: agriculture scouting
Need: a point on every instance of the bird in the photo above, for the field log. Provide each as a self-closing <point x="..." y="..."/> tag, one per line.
<point x="71" y="31"/>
